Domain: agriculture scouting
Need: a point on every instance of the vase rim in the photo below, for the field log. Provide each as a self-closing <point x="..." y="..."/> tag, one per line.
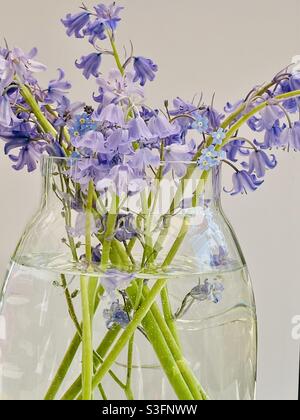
<point x="84" y="158"/>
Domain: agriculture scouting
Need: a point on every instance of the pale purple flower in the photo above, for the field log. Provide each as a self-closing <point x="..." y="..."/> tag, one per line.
<point x="114" y="114"/>
<point x="230" y="108"/>
<point x="90" y="143"/>
<point x="95" y="30"/>
<point x="90" y="64"/>
<point x="75" y="23"/>
<point x="220" y="259"/>
<point x="214" y="118"/>
<point x="126" y="228"/>
<point x="118" y="87"/>
<point x="270" y="115"/>
<point x="57" y="89"/>
<point x="272" y="137"/>
<point x="259" y="161"/>
<point x="116" y="315"/>
<point x="235" y="148"/>
<point x="79" y="230"/>
<point x="109" y="15"/>
<point x="115" y="280"/>
<point x="243" y="182"/>
<point x="85" y="170"/>
<point x="290" y="137"/>
<point x="121" y="179"/>
<point x="118" y="142"/>
<point x="16" y="62"/>
<point x="177" y="157"/>
<point x="7" y="117"/>
<point x="144" y="158"/>
<point x="161" y="128"/>
<point x="138" y="130"/>
<point x="145" y="70"/>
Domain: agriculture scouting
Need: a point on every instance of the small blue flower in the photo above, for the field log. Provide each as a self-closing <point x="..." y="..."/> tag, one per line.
<point x="90" y="64"/>
<point x="82" y="124"/>
<point x="201" y="124"/>
<point x="219" y="136"/>
<point x="210" y="158"/>
<point x="116" y="316"/>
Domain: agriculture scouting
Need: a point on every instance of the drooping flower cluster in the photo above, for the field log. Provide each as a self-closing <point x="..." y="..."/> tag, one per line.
<point x="119" y="139"/>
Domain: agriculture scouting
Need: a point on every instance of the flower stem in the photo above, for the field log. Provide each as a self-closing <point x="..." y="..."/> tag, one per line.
<point x="29" y="98"/>
<point x="87" y="346"/>
<point x="128" y="389"/>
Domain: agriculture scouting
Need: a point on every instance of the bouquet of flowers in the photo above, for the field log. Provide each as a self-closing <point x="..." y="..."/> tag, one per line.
<point x="114" y="156"/>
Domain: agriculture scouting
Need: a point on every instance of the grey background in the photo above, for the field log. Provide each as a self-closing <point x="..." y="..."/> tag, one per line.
<point x="225" y="47"/>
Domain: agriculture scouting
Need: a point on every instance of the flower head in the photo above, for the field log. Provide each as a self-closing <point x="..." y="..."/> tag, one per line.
<point x="95" y="30"/>
<point x="234" y="148"/>
<point x="259" y="161"/>
<point x="109" y="15"/>
<point x="57" y="89"/>
<point x="243" y="182"/>
<point x="218" y="136"/>
<point x="90" y="64"/>
<point x="75" y="23"/>
<point x="145" y="70"/>
<point x="82" y="124"/>
<point x="290" y="137"/>
<point x="116" y="315"/>
<point x="210" y="158"/>
<point x="201" y="124"/>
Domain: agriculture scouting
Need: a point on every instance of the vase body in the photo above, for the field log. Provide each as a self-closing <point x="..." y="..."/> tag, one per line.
<point x="209" y="291"/>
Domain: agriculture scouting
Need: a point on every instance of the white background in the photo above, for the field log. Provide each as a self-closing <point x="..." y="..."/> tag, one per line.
<point x="225" y="47"/>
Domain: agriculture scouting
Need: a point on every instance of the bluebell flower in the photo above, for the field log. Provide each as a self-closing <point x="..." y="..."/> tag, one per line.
<point x="90" y="64"/>
<point x="272" y="137"/>
<point x="201" y="124"/>
<point x="256" y="124"/>
<point x="90" y="143"/>
<point x="115" y="280"/>
<point x="75" y="23"/>
<point x="118" y="142"/>
<point x="7" y="116"/>
<point x="285" y="86"/>
<point x="235" y="148"/>
<point x="143" y="158"/>
<point x="220" y="259"/>
<point x="113" y="114"/>
<point x="55" y="149"/>
<point x="57" y="89"/>
<point x="138" y="130"/>
<point x="230" y="108"/>
<point x="214" y="118"/>
<point x="145" y="70"/>
<point x="122" y="179"/>
<point x="125" y="229"/>
<point x="84" y="170"/>
<point x="270" y="115"/>
<point x="209" y="291"/>
<point x="178" y="156"/>
<point x="79" y="229"/>
<point x="218" y="136"/>
<point x="95" y="30"/>
<point x="243" y="182"/>
<point x="290" y="137"/>
<point x="259" y="161"/>
<point x="161" y="128"/>
<point x="116" y="315"/>
<point x="109" y="15"/>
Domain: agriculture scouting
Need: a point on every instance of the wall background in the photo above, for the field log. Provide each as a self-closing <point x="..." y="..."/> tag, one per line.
<point x="225" y="47"/>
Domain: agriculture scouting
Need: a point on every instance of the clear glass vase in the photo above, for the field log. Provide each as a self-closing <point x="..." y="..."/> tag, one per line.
<point x="172" y="313"/>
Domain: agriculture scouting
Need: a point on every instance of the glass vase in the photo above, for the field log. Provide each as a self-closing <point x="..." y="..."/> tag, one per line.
<point x="127" y="295"/>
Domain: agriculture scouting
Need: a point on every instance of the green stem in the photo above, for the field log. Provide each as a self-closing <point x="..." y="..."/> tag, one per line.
<point x="110" y="228"/>
<point x="116" y="55"/>
<point x="128" y="389"/>
<point x="89" y="215"/>
<point x="29" y="98"/>
<point x="87" y="346"/>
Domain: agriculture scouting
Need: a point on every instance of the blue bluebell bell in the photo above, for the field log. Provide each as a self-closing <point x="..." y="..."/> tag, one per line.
<point x="75" y="23"/>
<point x="145" y="70"/>
<point x="109" y="15"/>
<point x="95" y="30"/>
<point x="90" y="64"/>
<point x="244" y="182"/>
<point x="259" y="162"/>
<point x="235" y="148"/>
